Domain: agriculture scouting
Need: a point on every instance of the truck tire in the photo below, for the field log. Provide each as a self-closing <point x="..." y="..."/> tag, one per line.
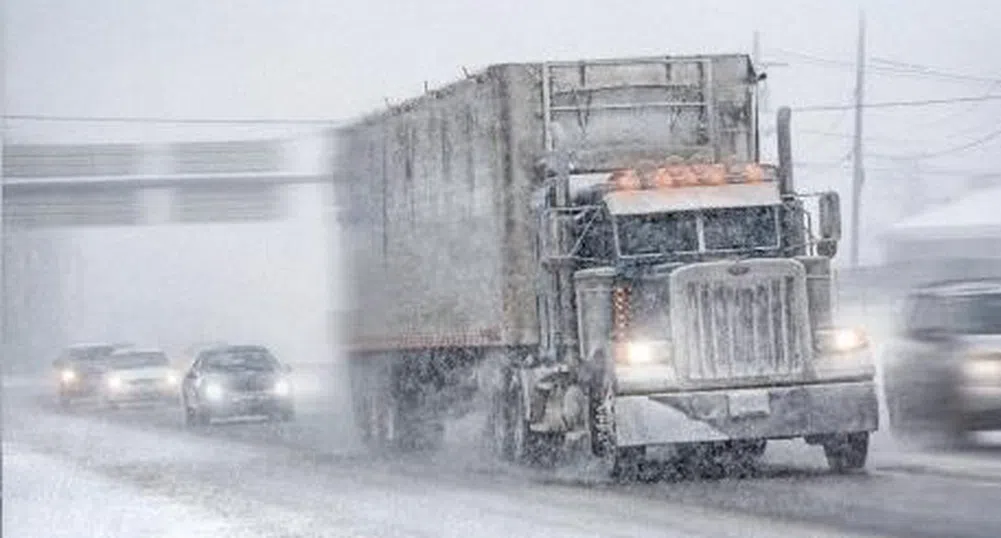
<point x="529" y="447"/>
<point x="847" y="452"/>
<point x="499" y="431"/>
<point x="621" y="463"/>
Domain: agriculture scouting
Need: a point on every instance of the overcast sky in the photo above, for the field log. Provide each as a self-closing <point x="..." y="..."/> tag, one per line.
<point x="315" y="59"/>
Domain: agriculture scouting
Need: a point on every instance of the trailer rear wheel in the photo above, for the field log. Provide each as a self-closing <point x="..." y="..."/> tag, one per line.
<point x="847" y="452"/>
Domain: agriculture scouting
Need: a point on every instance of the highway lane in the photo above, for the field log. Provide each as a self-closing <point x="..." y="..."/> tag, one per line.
<point x="251" y="487"/>
<point x="317" y="458"/>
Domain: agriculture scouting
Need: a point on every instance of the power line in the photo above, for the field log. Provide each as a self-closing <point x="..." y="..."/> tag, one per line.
<point x="948" y="151"/>
<point x="893" y="69"/>
<point x="893" y="104"/>
<point x="163" y="120"/>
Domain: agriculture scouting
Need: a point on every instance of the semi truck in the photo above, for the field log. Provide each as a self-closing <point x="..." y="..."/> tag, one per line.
<point x="593" y="255"/>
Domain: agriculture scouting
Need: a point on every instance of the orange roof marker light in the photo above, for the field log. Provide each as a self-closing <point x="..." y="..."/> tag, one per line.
<point x="692" y="175"/>
<point x="626" y="180"/>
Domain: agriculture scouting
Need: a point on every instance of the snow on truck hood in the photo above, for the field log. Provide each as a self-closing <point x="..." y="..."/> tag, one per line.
<point x="633" y="202"/>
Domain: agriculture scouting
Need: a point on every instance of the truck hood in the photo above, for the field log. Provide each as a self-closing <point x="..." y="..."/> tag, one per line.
<point x="662" y="200"/>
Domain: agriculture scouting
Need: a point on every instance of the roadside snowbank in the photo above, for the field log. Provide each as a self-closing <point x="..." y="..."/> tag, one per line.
<point x="44" y="496"/>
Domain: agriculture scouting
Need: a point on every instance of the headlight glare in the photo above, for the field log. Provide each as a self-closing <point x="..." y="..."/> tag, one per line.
<point x="639" y="353"/>
<point x="841" y="340"/>
<point x="213" y="391"/>
<point x="114" y="382"/>
<point x="282" y="388"/>
<point x="172" y="379"/>
<point x="983" y="366"/>
<point x="67" y="376"/>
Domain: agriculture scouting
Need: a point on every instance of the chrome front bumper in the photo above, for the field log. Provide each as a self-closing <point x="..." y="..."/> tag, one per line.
<point x="760" y="413"/>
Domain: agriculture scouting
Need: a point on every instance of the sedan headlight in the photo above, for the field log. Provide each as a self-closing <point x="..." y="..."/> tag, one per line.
<point x="282" y="388"/>
<point x="213" y="391"/>
<point x="983" y="367"/>
<point x="841" y="340"/>
<point x="114" y="382"/>
<point x="67" y="376"/>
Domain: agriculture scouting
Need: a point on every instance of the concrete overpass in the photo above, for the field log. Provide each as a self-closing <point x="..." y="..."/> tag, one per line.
<point x="58" y="198"/>
<point x="71" y="185"/>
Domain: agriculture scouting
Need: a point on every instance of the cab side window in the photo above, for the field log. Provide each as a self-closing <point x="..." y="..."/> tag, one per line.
<point x="597" y="245"/>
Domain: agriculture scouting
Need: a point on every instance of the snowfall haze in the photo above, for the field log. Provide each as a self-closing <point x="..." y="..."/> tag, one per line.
<point x="287" y="71"/>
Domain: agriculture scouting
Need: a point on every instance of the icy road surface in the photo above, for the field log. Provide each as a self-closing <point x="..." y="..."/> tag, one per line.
<point x="86" y="476"/>
<point x="140" y="472"/>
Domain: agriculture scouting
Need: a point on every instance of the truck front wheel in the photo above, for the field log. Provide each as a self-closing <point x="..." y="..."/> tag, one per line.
<point x="529" y="447"/>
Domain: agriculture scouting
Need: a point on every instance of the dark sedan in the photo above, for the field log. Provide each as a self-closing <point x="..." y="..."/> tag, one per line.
<point x="80" y="370"/>
<point x="236" y="381"/>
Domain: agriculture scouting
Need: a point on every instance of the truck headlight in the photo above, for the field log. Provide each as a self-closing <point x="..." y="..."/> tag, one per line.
<point x="282" y="388"/>
<point x="213" y="392"/>
<point x="67" y="376"/>
<point x="841" y="340"/>
<point x="639" y="353"/>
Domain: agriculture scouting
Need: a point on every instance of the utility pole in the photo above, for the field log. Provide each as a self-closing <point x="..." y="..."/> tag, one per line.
<point x="767" y="127"/>
<point x="858" y="176"/>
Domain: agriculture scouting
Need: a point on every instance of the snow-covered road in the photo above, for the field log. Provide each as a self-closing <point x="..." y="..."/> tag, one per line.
<point x="139" y="472"/>
<point x="82" y="475"/>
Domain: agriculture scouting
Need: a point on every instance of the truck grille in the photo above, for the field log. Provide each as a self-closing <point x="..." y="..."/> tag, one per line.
<point x="748" y="323"/>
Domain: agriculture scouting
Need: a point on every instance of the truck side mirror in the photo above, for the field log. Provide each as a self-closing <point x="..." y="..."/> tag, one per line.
<point x="829" y="207"/>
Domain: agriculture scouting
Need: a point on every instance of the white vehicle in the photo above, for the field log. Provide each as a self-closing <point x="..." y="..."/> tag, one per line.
<point x="139" y="375"/>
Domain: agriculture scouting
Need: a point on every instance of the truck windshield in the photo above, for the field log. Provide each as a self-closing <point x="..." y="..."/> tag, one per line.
<point x="658" y="233"/>
<point x="739" y="228"/>
<point x="729" y="229"/>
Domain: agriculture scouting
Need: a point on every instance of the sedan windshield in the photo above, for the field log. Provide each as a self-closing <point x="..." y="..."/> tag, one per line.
<point x="980" y="314"/>
<point x="139" y="360"/>
<point x="241" y="359"/>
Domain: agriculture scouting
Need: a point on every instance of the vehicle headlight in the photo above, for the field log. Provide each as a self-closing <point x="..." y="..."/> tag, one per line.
<point x="114" y="382"/>
<point x="983" y="366"/>
<point x="282" y="388"/>
<point x="172" y="379"/>
<point x="213" y="391"/>
<point x="67" y="376"/>
<point x="640" y="353"/>
<point x="841" y="340"/>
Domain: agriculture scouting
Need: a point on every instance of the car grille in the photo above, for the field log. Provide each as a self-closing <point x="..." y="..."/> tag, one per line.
<point x="251" y="383"/>
<point x="750" y="322"/>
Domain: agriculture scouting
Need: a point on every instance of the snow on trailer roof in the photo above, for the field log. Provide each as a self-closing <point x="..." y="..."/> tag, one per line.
<point x="974" y="215"/>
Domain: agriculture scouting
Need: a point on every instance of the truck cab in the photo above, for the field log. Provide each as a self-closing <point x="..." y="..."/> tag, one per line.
<point x="705" y="318"/>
